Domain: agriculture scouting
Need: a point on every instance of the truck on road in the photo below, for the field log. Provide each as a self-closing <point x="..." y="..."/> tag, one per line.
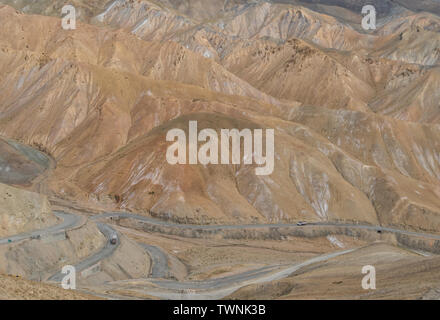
<point x="114" y="239"/>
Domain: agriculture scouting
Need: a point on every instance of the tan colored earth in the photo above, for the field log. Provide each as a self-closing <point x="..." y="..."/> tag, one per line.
<point x="84" y="116"/>
<point x="22" y="211"/>
<point x="14" y="288"/>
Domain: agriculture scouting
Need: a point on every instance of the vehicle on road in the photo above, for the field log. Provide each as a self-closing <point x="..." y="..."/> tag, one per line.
<point x="301" y="223"/>
<point x="114" y="239"/>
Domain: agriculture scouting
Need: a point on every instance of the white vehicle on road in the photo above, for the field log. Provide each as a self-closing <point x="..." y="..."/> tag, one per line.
<point x="114" y="239"/>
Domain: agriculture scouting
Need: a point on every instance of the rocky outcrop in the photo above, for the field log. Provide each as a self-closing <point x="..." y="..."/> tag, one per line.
<point x="22" y="211"/>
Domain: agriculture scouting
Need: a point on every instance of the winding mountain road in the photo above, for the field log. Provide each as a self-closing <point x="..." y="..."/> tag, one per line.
<point x="222" y="287"/>
<point x="159" y="261"/>
<point x="208" y="289"/>
<point x="103" y="253"/>
<point x="157" y="222"/>
<point x="69" y="221"/>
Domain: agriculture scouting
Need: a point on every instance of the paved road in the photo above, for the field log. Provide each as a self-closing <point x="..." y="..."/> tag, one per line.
<point x="222" y="287"/>
<point x="157" y="222"/>
<point x="379" y="228"/>
<point x="209" y="289"/>
<point x="216" y="283"/>
<point x="69" y="221"/>
<point x="213" y="288"/>
<point x="159" y="261"/>
<point x="105" y="252"/>
<point x="15" y="156"/>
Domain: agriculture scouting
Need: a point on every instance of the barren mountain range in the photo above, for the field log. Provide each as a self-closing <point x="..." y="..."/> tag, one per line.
<point x="356" y="113"/>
